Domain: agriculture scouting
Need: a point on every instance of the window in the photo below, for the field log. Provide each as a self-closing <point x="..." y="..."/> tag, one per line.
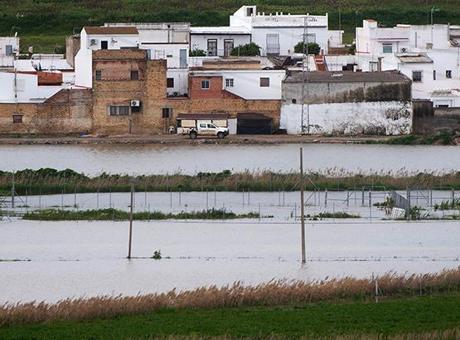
<point x="98" y="74"/>
<point x="229" y="82"/>
<point x="373" y="66"/>
<point x="387" y="48"/>
<point x="449" y="74"/>
<point x="104" y="44"/>
<point x="434" y="74"/>
<point x="212" y="47"/>
<point x="135" y="75"/>
<point x="9" y="50"/>
<point x="205" y="84"/>
<point x="417" y="76"/>
<point x="170" y="83"/>
<point x="203" y="125"/>
<point x="118" y="110"/>
<point x="294" y="101"/>
<point x="166" y="112"/>
<point x="211" y="126"/>
<point x="264" y="82"/>
<point x="17" y="119"/>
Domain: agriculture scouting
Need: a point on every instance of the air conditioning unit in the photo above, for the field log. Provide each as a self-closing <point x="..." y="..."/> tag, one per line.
<point x="93" y="42"/>
<point x="135" y="103"/>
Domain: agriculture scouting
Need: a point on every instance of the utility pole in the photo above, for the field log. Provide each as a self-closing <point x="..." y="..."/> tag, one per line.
<point x="304" y="76"/>
<point x="13" y="192"/>
<point x="302" y="209"/>
<point x="131" y="220"/>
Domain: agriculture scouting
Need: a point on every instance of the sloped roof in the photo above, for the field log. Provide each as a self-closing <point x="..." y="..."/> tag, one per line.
<point x="128" y="30"/>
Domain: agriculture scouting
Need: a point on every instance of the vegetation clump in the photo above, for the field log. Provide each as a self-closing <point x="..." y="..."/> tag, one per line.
<point x="251" y="49"/>
<point x="120" y="215"/>
<point x="307" y="48"/>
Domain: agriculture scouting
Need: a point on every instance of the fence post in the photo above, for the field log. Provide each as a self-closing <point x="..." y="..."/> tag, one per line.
<point x="376" y="289"/>
<point x="362" y="196"/>
<point x="13" y="191"/>
<point x="453" y="198"/>
<point x="408" y="216"/>
<point x="325" y="198"/>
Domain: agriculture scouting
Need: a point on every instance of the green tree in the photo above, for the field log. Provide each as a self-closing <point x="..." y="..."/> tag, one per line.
<point x="312" y="48"/>
<point x="250" y="49"/>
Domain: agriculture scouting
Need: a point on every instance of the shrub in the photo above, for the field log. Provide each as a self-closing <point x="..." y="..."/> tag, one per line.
<point x="250" y="49"/>
<point x="311" y="48"/>
<point x="197" y="53"/>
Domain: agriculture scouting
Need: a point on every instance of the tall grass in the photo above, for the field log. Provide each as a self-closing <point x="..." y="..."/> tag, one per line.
<point x="120" y="215"/>
<point x="51" y="181"/>
<point x="274" y="293"/>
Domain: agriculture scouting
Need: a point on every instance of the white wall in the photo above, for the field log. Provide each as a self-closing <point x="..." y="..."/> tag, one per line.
<point x="84" y="68"/>
<point x="180" y="81"/>
<point x="389" y="118"/>
<point x="27" y="88"/>
<point x="7" y="61"/>
<point x="289" y="37"/>
<point x="200" y="41"/>
<point x="246" y="83"/>
<point x="115" y="41"/>
<point x="169" y="52"/>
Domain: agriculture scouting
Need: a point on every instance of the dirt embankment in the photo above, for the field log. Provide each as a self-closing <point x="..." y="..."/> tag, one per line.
<point x="177" y="139"/>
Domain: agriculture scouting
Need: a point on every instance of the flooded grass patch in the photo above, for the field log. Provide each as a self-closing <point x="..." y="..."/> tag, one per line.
<point x="120" y="215"/>
<point x="51" y="181"/>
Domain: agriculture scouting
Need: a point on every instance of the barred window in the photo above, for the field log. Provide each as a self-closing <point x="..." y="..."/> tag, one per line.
<point x="119" y="110"/>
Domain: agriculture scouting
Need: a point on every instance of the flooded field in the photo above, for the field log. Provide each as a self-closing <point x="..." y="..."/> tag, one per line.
<point x="55" y="260"/>
<point x="190" y="159"/>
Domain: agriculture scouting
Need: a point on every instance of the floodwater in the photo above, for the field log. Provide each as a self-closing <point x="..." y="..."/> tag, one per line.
<point x="190" y="159"/>
<point x="55" y="260"/>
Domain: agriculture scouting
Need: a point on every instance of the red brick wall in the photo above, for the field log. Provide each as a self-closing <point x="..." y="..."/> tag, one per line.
<point x="214" y="91"/>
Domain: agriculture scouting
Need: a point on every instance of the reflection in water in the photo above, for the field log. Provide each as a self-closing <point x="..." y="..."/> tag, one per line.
<point x="190" y="159"/>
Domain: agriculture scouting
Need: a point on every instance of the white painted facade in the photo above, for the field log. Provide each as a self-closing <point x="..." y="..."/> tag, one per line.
<point x="218" y="41"/>
<point x="179" y="82"/>
<point x="84" y="68"/>
<point x="114" y="41"/>
<point x="404" y="48"/>
<point x="26" y="89"/>
<point x="246" y="83"/>
<point x="278" y="33"/>
<point x="389" y="118"/>
<point x="9" y="49"/>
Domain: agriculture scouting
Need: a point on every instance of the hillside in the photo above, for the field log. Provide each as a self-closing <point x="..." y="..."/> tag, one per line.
<point x="45" y="23"/>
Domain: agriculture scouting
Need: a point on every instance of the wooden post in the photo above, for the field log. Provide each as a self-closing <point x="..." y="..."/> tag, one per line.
<point x="131" y="221"/>
<point x="302" y="209"/>
<point x="13" y="192"/>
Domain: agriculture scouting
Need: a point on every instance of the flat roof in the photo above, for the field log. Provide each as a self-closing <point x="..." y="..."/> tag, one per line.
<point x="345" y="77"/>
<point x="96" y="30"/>
<point x="202" y="116"/>
<point x="220" y="30"/>
<point x="414" y="58"/>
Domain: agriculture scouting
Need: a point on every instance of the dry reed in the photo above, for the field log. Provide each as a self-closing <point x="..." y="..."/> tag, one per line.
<point x="274" y="293"/>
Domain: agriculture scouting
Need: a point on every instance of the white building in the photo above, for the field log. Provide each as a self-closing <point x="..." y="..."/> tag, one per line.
<point x="24" y="88"/>
<point x="9" y="49"/>
<point x="278" y="33"/>
<point x="100" y="38"/>
<point x="427" y="54"/>
<point x="218" y="41"/>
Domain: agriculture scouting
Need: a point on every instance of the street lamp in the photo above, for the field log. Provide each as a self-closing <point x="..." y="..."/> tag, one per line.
<point x="433" y="9"/>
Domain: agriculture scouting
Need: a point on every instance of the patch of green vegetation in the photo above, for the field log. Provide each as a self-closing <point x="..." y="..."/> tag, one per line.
<point x="324" y="215"/>
<point x="412" y="315"/>
<point x="447" y="205"/>
<point x="440" y="138"/>
<point x="35" y="18"/>
<point x="120" y="215"/>
<point x="51" y="181"/>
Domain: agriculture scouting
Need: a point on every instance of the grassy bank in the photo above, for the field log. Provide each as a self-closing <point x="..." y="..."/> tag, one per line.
<point x="272" y="294"/>
<point x="120" y="215"/>
<point x="435" y="317"/>
<point x="51" y="181"/>
<point x="440" y="138"/>
<point x="60" y="18"/>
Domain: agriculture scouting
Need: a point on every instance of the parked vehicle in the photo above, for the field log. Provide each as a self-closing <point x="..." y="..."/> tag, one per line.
<point x="201" y="127"/>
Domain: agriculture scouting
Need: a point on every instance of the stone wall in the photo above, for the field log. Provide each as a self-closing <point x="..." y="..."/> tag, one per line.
<point x="429" y="120"/>
<point x="67" y="112"/>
